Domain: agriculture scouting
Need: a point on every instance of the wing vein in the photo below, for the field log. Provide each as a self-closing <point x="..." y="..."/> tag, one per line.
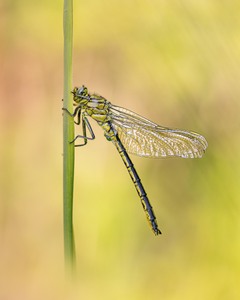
<point x="143" y="137"/>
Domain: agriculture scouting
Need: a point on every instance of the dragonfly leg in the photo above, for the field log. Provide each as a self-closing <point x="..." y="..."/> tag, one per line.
<point x="85" y="125"/>
<point x="77" y="112"/>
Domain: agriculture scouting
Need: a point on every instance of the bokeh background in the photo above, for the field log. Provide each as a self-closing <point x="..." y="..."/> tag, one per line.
<point x="175" y="62"/>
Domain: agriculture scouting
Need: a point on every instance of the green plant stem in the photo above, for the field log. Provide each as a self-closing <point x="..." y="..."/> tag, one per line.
<point x="68" y="135"/>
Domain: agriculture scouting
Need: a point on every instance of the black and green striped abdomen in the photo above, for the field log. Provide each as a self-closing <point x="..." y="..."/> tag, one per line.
<point x="138" y="185"/>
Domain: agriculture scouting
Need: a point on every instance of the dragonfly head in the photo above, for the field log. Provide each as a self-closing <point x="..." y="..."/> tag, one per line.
<point x="80" y="93"/>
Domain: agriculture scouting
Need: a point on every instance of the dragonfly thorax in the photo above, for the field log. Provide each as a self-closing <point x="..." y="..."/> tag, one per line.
<point x="93" y="105"/>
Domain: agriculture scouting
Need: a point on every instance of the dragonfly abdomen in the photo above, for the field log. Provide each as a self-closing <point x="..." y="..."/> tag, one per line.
<point x="138" y="185"/>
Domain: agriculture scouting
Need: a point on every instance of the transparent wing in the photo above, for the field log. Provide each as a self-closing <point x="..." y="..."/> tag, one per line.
<point x="145" y="138"/>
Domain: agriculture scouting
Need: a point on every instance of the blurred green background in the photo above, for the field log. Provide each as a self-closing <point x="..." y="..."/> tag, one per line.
<point x="175" y="62"/>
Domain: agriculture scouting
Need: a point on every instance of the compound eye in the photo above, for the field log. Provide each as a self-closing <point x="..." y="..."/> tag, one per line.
<point x="82" y="91"/>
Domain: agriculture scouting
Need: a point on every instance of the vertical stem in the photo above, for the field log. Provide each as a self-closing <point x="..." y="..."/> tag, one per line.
<point x="68" y="135"/>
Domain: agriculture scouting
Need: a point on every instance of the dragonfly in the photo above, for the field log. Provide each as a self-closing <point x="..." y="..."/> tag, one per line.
<point x="133" y="134"/>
